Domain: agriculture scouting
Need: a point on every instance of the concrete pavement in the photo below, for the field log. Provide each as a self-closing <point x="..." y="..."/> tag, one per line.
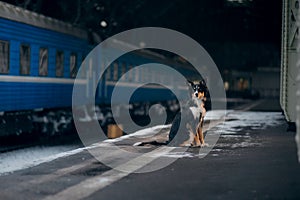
<point x="255" y="158"/>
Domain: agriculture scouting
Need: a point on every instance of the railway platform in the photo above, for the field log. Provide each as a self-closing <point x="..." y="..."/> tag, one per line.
<point x="254" y="158"/>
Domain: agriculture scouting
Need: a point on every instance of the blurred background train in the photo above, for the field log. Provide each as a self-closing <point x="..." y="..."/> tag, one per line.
<point x="39" y="60"/>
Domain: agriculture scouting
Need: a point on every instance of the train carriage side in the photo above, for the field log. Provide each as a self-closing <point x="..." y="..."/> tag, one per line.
<point x="38" y="66"/>
<point x="124" y="71"/>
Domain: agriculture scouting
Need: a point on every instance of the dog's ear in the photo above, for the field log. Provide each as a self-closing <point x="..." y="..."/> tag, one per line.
<point x="202" y="82"/>
<point x="205" y="80"/>
<point x="191" y="83"/>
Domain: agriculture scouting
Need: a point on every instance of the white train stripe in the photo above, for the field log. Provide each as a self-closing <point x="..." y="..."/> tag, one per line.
<point x="32" y="79"/>
<point x="136" y="85"/>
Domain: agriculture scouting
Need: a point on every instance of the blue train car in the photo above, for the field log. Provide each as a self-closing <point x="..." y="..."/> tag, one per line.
<point x="39" y="58"/>
<point x="150" y="93"/>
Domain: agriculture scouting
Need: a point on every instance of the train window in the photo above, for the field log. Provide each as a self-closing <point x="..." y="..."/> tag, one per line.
<point x="107" y="71"/>
<point x="4" y="57"/>
<point x="24" y="59"/>
<point x="102" y="68"/>
<point x="59" y="63"/>
<point x="142" y="75"/>
<point x="153" y="76"/>
<point x="137" y="75"/>
<point x="83" y="73"/>
<point x="116" y="69"/>
<point x="123" y="71"/>
<point x="43" y="62"/>
<point x="130" y="73"/>
<point x="73" y="65"/>
<point x="145" y="75"/>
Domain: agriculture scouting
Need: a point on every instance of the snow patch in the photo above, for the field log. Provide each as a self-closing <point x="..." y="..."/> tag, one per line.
<point x="244" y="144"/>
<point x="179" y="155"/>
<point x="29" y="157"/>
<point x="237" y="121"/>
<point x="147" y="132"/>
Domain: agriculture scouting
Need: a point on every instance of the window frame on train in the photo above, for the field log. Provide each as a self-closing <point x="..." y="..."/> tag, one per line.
<point x="43" y="61"/>
<point x="59" y="63"/>
<point x="108" y="73"/>
<point x="123" y="71"/>
<point x="115" y="71"/>
<point x="4" y="57"/>
<point x="73" y="64"/>
<point x="137" y="75"/>
<point x="130" y="72"/>
<point x="25" y="61"/>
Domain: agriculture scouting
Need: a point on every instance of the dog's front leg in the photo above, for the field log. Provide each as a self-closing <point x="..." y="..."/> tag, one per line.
<point x="197" y="141"/>
<point x="200" y="132"/>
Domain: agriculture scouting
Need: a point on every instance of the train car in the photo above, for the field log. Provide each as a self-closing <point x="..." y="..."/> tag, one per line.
<point x="124" y="72"/>
<point x="134" y="76"/>
<point x="39" y="59"/>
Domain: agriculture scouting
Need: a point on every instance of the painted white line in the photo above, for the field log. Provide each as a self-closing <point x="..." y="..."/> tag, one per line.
<point x="91" y="185"/>
<point x="109" y="177"/>
<point x="67" y="170"/>
<point x="57" y="174"/>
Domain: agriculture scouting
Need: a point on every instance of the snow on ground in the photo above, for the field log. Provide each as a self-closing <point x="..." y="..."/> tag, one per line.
<point x="239" y="124"/>
<point x="233" y="129"/>
<point x="32" y="156"/>
<point x="147" y="132"/>
<point x="29" y="157"/>
<point x="236" y="121"/>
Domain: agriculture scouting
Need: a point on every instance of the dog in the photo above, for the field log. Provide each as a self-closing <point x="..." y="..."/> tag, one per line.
<point x="191" y="118"/>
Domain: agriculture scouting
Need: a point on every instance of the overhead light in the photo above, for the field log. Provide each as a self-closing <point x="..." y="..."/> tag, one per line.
<point x="103" y="23"/>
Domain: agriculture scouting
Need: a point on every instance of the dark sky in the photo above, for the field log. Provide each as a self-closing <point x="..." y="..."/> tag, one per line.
<point x="221" y="26"/>
<point x="213" y="20"/>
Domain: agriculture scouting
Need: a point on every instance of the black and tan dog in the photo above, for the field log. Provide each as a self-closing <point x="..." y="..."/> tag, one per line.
<point x="187" y="126"/>
<point x="191" y="118"/>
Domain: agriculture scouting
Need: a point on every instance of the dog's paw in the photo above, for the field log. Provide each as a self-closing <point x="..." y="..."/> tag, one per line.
<point x="196" y="145"/>
<point x="185" y="145"/>
<point x="205" y="145"/>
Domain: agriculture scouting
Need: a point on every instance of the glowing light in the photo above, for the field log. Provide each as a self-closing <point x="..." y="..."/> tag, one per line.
<point x="103" y="23"/>
<point x="226" y="85"/>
